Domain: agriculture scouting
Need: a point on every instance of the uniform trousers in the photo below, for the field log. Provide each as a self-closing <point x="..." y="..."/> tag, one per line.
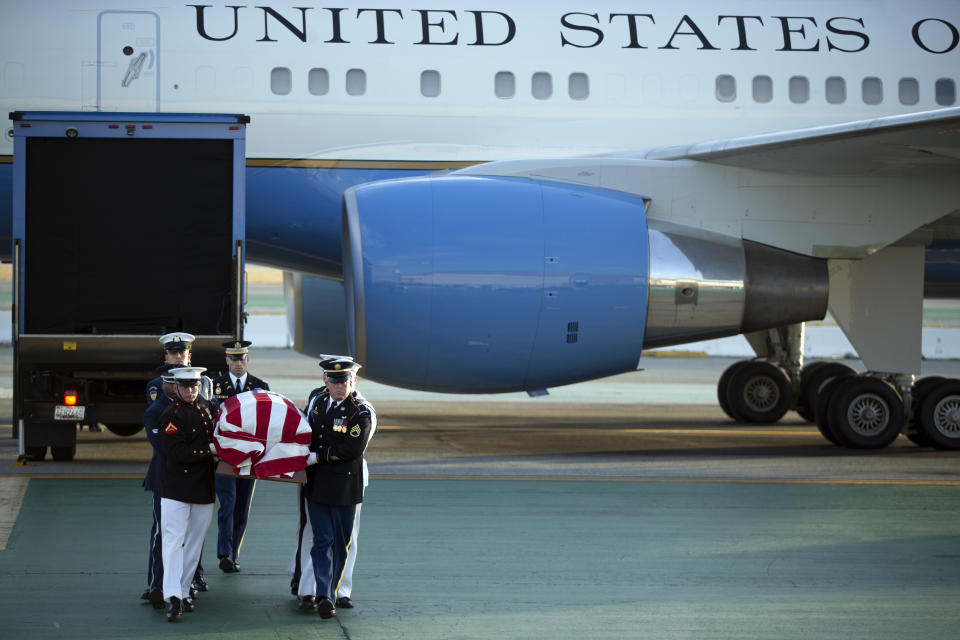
<point x="155" y="557"/>
<point x="184" y="526"/>
<point x="331" y="526"/>
<point x="235" y="495"/>
<point x="301" y="565"/>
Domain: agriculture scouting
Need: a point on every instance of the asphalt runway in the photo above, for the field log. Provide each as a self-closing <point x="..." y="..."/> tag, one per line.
<point x="629" y="507"/>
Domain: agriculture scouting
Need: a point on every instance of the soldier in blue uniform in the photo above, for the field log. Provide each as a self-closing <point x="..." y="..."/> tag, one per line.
<point x="234" y="494"/>
<point x="341" y="422"/>
<point x="303" y="584"/>
<point x="186" y="504"/>
<point x="176" y="350"/>
<point x="154" y="591"/>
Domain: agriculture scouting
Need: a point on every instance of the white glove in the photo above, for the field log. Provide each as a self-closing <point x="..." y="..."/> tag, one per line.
<point x="312" y="458"/>
<point x="213" y="448"/>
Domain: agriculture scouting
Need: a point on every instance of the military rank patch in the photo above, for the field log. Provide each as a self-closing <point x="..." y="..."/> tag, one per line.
<point x="153" y="394"/>
<point x="171" y="428"/>
<point x="355" y="431"/>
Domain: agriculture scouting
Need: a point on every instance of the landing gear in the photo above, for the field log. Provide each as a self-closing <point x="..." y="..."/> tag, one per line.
<point x="938" y="416"/>
<point x="813" y="378"/>
<point x="756" y="392"/>
<point x="865" y="413"/>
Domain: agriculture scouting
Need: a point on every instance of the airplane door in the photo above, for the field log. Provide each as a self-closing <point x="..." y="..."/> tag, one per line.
<point x="128" y="62"/>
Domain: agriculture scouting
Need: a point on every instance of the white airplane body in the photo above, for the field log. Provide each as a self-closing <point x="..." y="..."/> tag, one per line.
<point x="826" y="130"/>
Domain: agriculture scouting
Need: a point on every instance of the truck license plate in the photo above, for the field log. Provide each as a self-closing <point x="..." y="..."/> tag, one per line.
<point x="64" y="412"/>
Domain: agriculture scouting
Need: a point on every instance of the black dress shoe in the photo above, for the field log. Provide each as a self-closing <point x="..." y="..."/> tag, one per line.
<point x="187" y="604"/>
<point x="344" y="602"/>
<point x="307" y="603"/>
<point x="145" y="595"/>
<point x="200" y="584"/>
<point x="175" y="610"/>
<point x="155" y="596"/>
<point x="325" y="608"/>
<point x="236" y="565"/>
<point x="226" y="565"/>
<point x="194" y="593"/>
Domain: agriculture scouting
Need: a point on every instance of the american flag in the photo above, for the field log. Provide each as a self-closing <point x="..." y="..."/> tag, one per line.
<point x="261" y="433"/>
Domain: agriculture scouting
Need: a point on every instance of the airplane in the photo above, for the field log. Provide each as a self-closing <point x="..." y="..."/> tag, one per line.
<point x="486" y="197"/>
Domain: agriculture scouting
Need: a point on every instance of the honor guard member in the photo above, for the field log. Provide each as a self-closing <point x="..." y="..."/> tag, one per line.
<point x="176" y="350"/>
<point x="177" y="347"/>
<point x="341" y="422"/>
<point x="152" y="482"/>
<point x="186" y="504"/>
<point x="234" y="494"/>
<point x="303" y="584"/>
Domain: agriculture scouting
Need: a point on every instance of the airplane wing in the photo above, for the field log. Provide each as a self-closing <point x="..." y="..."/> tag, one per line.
<point x="925" y="143"/>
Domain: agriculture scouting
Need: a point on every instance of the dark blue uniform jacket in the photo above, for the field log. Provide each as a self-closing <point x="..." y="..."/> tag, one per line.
<point x="158" y="461"/>
<point x="339" y="438"/>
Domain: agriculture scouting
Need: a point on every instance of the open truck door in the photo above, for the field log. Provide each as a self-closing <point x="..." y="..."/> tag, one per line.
<point x="126" y="226"/>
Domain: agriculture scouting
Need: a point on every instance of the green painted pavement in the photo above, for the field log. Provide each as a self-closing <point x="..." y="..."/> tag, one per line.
<point x="517" y="559"/>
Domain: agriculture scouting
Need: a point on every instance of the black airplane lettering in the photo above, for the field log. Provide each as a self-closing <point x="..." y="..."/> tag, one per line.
<point x="577" y="29"/>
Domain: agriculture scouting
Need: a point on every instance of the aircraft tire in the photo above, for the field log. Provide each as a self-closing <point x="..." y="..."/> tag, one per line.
<point x="759" y="392"/>
<point x="822" y="408"/>
<point x="803" y="409"/>
<point x="921" y="388"/>
<point x="866" y="413"/>
<point x="813" y="383"/>
<point x="940" y="415"/>
<point x="724" y="383"/>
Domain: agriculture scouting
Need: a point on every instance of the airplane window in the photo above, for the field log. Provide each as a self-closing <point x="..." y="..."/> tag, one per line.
<point x="579" y="86"/>
<point x="726" y="88"/>
<point x="799" y="89"/>
<point x="909" y="91"/>
<point x="281" y="81"/>
<point x="356" y="82"/>
<point x="504" y="85"/>
<point x="430" y="84"/>
<point x="836" y="90"/>
<point x="946" y="92"/>
<point x="541" y="85"/>
<point x="872" y="90"/>
<point x="762" y="88"/>
<point x="318" y="82"/>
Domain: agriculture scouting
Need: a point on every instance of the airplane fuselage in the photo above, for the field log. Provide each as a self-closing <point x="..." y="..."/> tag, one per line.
<point x="340" y="96"/>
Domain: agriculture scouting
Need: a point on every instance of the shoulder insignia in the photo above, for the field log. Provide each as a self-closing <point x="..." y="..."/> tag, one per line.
<point x="355" y="431"/>
<point x="217" y="390"/>
<point x="153" y="394"/>
<point x="170" y="428"/>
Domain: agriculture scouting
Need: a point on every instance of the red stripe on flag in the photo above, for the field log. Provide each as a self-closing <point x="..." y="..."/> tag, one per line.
<point x="280" y="465"/>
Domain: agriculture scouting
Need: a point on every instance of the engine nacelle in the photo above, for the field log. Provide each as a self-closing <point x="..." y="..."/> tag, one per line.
<point x="476" y="284"/>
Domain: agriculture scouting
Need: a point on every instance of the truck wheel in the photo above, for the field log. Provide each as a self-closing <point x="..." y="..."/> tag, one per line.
<point x="63" y="454"/>
<point x="35" y="453"/>
<point x="124" y="429"/>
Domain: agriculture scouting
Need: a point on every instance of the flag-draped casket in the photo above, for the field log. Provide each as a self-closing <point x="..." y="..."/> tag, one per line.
<point x="261" y="434"/>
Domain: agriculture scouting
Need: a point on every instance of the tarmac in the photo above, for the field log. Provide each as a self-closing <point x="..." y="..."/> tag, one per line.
<point x="629" y="507"/>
